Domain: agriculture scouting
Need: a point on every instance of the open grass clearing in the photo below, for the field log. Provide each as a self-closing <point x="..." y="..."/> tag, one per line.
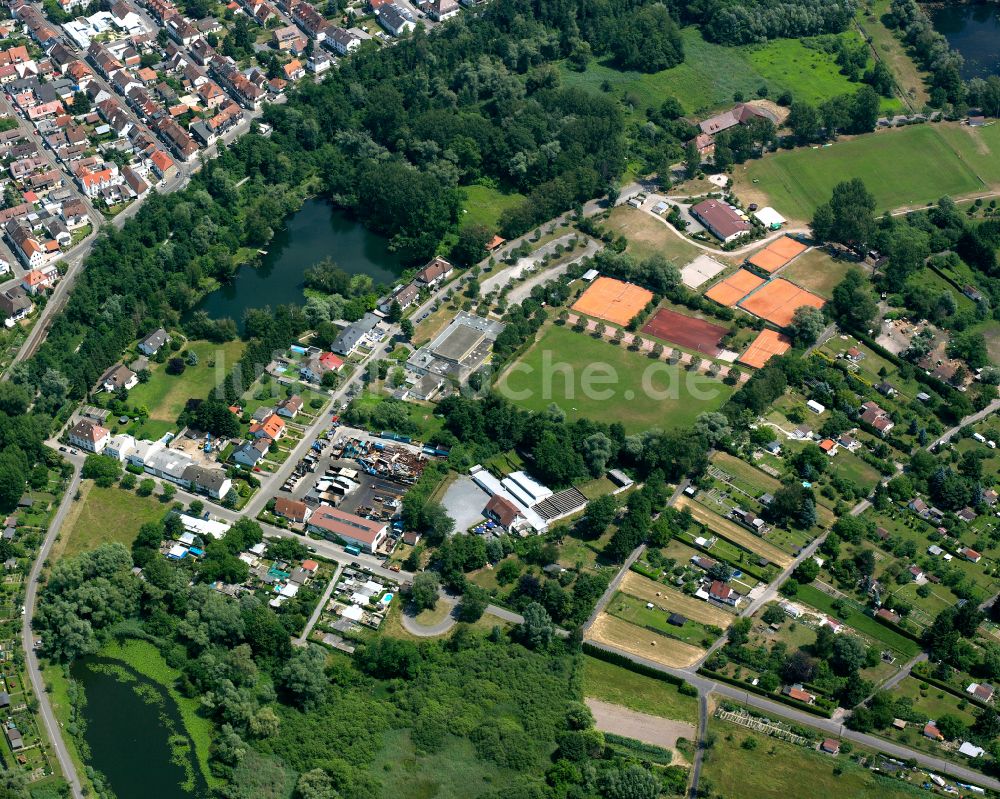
<point x="774" y="769"/>
<point x="627" y="387"/>
<point x="165" y="396"/>
<point x="817" y="271"/>
<point x="105" y="515"/>
<point x="810" y="73"/>
<point x="908" y="166"/>
<point x="484" y="205"/>
<point x="620" y="686"/>
<point x="639" y="641"/>
<point x="711" y="74"/>
<point x="734" y="533"/>
<point x="647" y="236"/>
<point x="673" y="601"/>
<point x="909" y="79"/>
<point x="453" y="771"/>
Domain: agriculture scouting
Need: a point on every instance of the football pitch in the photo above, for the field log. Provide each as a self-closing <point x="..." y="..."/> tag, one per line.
<point x="906" y="167"/>
<point x="595" y="379"/>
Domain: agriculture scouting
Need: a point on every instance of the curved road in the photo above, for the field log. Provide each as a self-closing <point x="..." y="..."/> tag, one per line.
<point x="52" y="727"/>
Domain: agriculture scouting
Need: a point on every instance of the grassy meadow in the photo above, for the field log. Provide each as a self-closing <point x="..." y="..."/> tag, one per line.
<point x="105" y="515"/>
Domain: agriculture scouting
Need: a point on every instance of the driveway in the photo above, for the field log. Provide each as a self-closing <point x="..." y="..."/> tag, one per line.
<point x="464" y="501"/>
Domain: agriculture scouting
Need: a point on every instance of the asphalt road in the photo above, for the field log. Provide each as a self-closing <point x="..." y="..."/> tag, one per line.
<point x="52" y="727"/>
<point x="829" y="726"/>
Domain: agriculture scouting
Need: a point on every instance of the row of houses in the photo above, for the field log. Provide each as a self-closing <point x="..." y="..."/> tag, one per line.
<point x="153" y="457"/>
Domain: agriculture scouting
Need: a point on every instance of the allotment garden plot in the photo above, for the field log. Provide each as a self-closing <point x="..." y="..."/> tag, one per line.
<point x="733" y="532"/>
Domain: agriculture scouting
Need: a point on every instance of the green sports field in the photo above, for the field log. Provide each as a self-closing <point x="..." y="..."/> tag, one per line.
<point x="905" y="167"/>
<point x="556" y="369"/>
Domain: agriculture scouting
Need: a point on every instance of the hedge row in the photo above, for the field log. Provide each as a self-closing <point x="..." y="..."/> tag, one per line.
<point x="815" y="710"/>
<point x="618" y="659"/>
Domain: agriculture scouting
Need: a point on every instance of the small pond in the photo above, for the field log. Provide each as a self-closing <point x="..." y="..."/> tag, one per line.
<point x="130" y="722"/>
<point x="974" y="30"/>
<point x="315" y="232"/>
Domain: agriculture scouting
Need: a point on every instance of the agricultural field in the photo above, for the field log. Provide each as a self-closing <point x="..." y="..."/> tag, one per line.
<point x="646" y="643"/>
<point x="105" y="515"/>
<point x="554" y="368"/>
<point x="648" y="236"/>
<point x="628" y="608"/>
<point x="610" y="683"/>
<point x="733" y="532"/>
<point x="770" y="768"/>
<point x="484" y="205"/>
<point x="673" y="601"/>
<point x="904" y="167"/>
<point x="164" y="396"/>
<point x="817" y="271"/>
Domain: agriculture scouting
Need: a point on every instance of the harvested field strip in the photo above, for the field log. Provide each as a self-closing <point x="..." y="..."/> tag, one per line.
<point x="685" y="331"/>
<point x="643" y="727"/>
<point x="638" y="641"/>
<point x="674" y="601"/>
<point x="731" y="531"/>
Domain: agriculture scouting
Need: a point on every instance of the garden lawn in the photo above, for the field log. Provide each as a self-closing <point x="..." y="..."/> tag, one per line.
<point x="817" y="272"/>
<point x="105" y="515"/>
<point x="904" y="167"/>
<point x="565" y="355"/>
<point x="484" y="205"/>
<point x="618" y="685"/>
<point x="852" y="616"/>
<point x="165" y="396"/>
<point x="774" y="769"/>
<point x="935" y="702"/>
<point x="648" y="236"/>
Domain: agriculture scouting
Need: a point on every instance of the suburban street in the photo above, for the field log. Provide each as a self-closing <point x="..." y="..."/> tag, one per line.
<point x="829" y="726"/>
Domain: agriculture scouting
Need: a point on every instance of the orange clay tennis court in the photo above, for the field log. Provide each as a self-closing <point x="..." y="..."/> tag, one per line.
<point x="734" y="288"/>
<point x="613" y="300"/>
<point x="776" y="254"/>
<point x="777" y="300"/>
<point x="767" y="344"/>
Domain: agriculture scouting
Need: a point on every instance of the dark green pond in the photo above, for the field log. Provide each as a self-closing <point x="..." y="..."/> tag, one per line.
<point x="974" y="30"/>
<point x="315" y="232"/>
<point x="129" y="722"/>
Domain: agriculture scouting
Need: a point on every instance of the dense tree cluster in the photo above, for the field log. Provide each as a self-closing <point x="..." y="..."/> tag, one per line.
<point x="732" y="22"/>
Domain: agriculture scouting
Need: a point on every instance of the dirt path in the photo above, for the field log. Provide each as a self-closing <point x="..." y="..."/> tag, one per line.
<point x="643" y="727"/>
